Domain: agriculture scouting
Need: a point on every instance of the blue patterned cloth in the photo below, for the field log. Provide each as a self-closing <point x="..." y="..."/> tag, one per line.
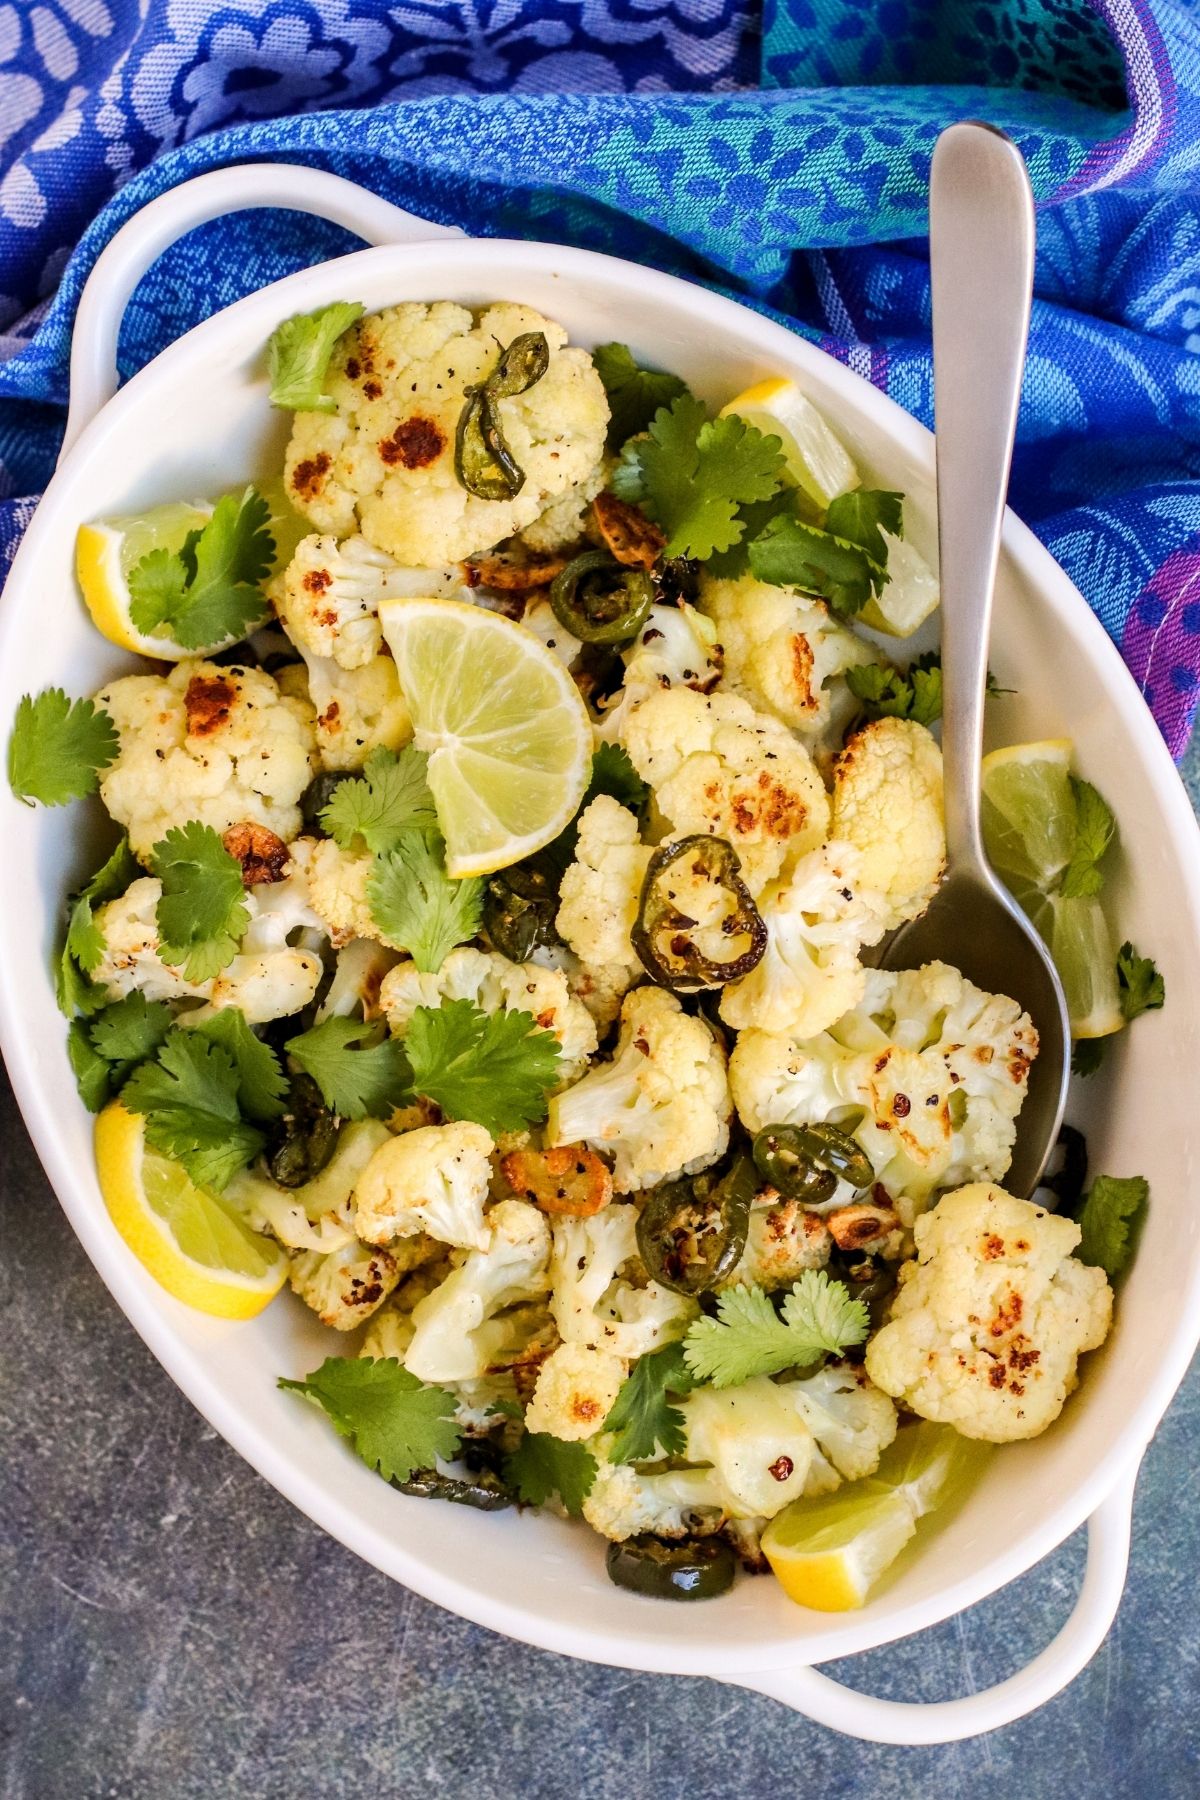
<point x="782" y="158"/>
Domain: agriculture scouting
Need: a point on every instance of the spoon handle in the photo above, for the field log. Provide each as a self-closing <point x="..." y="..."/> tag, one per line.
<point x="981" y="231"/>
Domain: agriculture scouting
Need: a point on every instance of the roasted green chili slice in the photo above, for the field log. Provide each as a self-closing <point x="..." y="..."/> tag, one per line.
<point x="483" y="461"/>
<point x="317" y="795"/>
<point x="678" y="945"/>
<point x="806" y="1162"/>
<point x="485" y="1492"/>
<point x="303" y="1141"/>
<point x="689" y="1569"/>
<point x="601" y="601"/>
<point x="691" y="1232"/>
<point x="519" y="909"/>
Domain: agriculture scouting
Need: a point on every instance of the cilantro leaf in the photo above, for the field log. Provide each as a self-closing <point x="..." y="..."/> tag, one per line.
<point x="644" y="1423"/>
<point x="614" y="774"/>
<point x="189" y="1097"/>
<point x="1110" y="1215"/>
<point x="357" y="1070"/>
<point x="298" y="353"/>
<point x="691" y="474"/>
<point x="791" y="553"/>
<point x="748" y="1337"/>
<point x="84" y="944"/>
<point x="58" y="748"/>
<point x="395" y="1423"/>
<point x="378" y="805"/>
<point x="754" y="517"/>
<point x="634" y="394"/>
<point x="202" y="914"/>
<point x="1095" y="828"/>
<point x="1142" y="988"/>
<point x="131" y="1029"/>
<point x="1087" y="1054"/>
<point x="93" y="1075"/>
<point x="863" y="515"/>
<point x="492" y="1068"/>
<point x="208" y="592"/>
<point x="415" y="903"/>
<point x="542" y="1465"/>
<point x="262" y="1085"/>
<point x="885" y="692"/>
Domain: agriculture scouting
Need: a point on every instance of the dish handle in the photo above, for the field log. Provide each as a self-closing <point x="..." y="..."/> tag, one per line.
<point x="843" y="1709"/>
<point x="141" y="240"/>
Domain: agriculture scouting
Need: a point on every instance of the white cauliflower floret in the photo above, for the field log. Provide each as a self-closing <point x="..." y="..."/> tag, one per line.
<point x="434" y="1179"/>
<point x="817" y="922"/>
<point x="927" y="1073"/>
<point x="672" y="1503"/>
<point x="887" y="802"/>
<point x="756" y="1444"/>
<point x="346" y="1286"/>
<point x="337" y="886"/>
<point x="457" y="1335"/>
<point x="357" y="710"/>
<point x="577" y="1386"/>
<point x="601" y="889"/>
<point x="717" y="766"/>
<point x="358" y="975"/>
<point x="599" y="987"/>
<point x="332" y="594"/>
<point x="221" y="745"/>
<point x="384" y="461"/>
<point x="319" y="1214"/>
<point x="784" y="653"/>
<point x="676" y="647"/>
<point x="989" y="1322"/>
<point x="561" y="524"/>
<point x="783" y="1239"/>
<point x="494" y="984"/>
<point x="661" y="1106"/>
<point x="593" y="1303"/>
<point x="539" y="618"/>
<point x="852" y="1421"/>
<point x="265" y="980"/>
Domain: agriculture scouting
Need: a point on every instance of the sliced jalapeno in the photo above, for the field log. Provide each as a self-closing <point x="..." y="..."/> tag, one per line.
<point x="520" y="905"/>
<point x="485" y="1492"/>
<point x="806" y="1162"/>
<point x="483" y="461"/>
<point x="677" y="579"/>
<point x="697" y="924"/>
<point x="687" y="1569"/>
<point x="317" y="795"/>
<point x="691" y="1232"/>
<point x="599" y="600"/>
<point x="305" y="1138"/>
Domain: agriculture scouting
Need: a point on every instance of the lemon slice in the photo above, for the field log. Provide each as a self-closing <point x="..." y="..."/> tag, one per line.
<point x="105" y="554"/>
<point x="190" y="1241"/>
<point x="911" y="592"/>
<point x="505" y="729"/>
<point x="815" y="459"/>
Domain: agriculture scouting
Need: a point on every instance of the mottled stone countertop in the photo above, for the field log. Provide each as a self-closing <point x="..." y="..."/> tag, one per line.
<point x="170" y="1629"/>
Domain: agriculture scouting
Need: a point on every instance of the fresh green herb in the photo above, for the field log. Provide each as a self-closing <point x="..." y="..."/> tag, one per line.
<point x="753" y="518"/>
<point x="492" y="1068"/>
<point x="93" y="1075"/>
<point x="542" y="1465"/>
<point x="298" y="353"/>
<point x="207" y="592"/>
<point x="202" y="914"/>
<point x="614" y="774"/>
<point x="644" y="1423"/>
<point x="189" y="1097"/>
<point x="791" y="553"/>
<point x="691" y="474"/>
<point x="1087" y="1054"/>
<point x="634" y="394"/>
<point x="1110" y="1215"/>
<point x="888" y="693"/>
<point x="358" y="1070"/>
<point x="262" y="1085"/>
<point x="415" y="903"/>
<point x="1142" y="988"/>
<point x="1095" y="828"/>
<point x="862" y="516"/>
<point x="749" y="1338"/>
<point x="395" y="1423"/>
<point x="131" y="1029"/>
<point x="84" y="944"/>
<point x="58" y="748"/>
<point x="380" y="804"/>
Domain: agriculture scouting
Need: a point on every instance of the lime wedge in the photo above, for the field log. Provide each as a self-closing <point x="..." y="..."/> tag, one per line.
<point x="1029" y="812"/>
<point x="107" y="552"/>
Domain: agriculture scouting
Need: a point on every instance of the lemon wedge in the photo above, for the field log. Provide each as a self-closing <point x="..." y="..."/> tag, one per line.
<point x="190" y="1241"/>
<point x="505" y="729"/>
<point x="814" y="458"/>
<point x="105" y="554"/>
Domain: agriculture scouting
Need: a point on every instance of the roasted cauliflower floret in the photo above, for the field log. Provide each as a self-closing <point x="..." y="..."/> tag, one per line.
<point x="435" y="1180"/>
<point x="676" y="647"/>
<point x="754" y="1440"/>
<point x="784" y="653"/>
<point x="345" y="1287"/>
<point x="601" y="889"/>
<point x="851" y="1421"/>
<point x="783" y="1239"/>
<point x="539" y="617"/>
<point x="332" y="594"/>
<point x="218" y="744"/>
<point x="562" y="524"/>
<point x="717" y="766"/>
<point x="887" y="802"/>
<point x="337" y="885"/>
<point x="457" y="1334"/>
<point x="494" y="984"/>
<point x="357" y="710"/>
<point x="318" y="1215"/>
<point x="672" y="1503"/>
<point x="818" y="919"/>
<point x="661" y="1106"/>
<point x="575" y="1391"/>
<point x="383" y="463"/>
<point x="595" y="1299"/>
<point x="989" y="1322"/>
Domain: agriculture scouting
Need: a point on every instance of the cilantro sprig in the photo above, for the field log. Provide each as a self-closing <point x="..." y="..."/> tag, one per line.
<point x="202" y="914"/>
<point x="889" y="693"/>
<point x="379" y="805"/>
<point x="748" y="1337"/>
<point x="58" y="748"/>
<point x="298" y="353"/>
<point x="394" y="1422"/>
<point x="1140" y="986"/>
<point x="492" y="1068"/>
<point x="634" y="394"/>
<point x="105" y="1052"/>
<point x="1110" y="1216"/>
<point x="416" y="905"/>
<point x="1095" y="830"/>
<point x="358" y="1068"/>
<point x="644" y="1423"/>
<point x="190" y="1096"/>
<point x="691" y="474"/>
<point x="83" y="946"/>
<point x="843" y="562"/>
<point x="207" y="592"/>
<point x="542" y="1465"/>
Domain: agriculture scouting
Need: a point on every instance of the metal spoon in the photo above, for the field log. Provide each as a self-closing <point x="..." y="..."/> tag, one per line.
<point x="981" y="228"/>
